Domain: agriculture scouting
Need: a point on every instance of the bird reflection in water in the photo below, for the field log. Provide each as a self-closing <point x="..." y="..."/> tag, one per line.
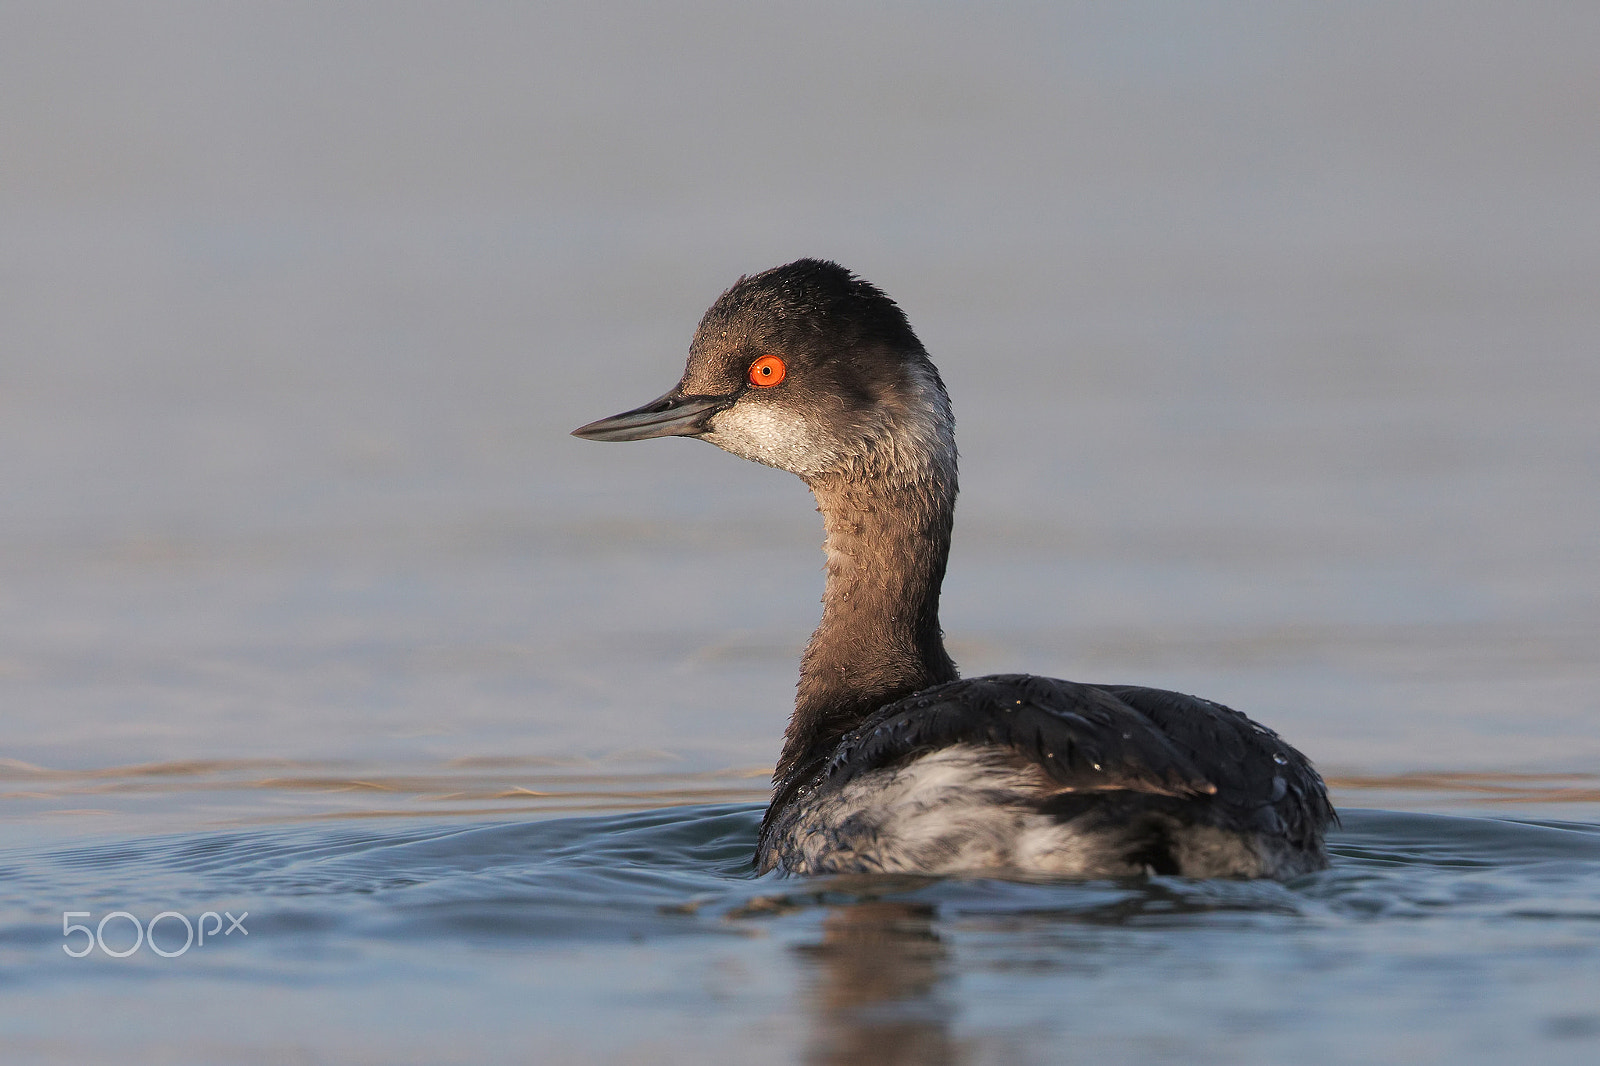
<point x="877" y="999"/>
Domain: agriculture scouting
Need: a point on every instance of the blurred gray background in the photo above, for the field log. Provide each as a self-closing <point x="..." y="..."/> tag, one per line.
<point x="1273" y="333"/>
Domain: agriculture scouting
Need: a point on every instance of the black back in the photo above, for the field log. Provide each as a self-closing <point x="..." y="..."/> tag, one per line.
<point x="1227" y="771"/>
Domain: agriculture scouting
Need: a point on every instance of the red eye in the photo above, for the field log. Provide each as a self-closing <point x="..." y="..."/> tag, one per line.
<point x="767" y="371"/>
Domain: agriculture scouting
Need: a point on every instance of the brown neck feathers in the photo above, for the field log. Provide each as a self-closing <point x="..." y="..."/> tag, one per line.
<point x="879" y="639"/>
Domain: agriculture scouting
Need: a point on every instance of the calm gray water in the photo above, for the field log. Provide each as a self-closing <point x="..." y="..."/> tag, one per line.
<point x="1273" y="333"/>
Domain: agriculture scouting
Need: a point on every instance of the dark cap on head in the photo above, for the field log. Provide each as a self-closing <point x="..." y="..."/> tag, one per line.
<point x="808" y="368"/>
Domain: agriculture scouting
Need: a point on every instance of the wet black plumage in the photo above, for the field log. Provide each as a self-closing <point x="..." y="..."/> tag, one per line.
<point x="1111" y="749"/>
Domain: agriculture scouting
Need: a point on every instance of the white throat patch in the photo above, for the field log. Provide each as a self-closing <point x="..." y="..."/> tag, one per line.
<point x="780" y="439"/>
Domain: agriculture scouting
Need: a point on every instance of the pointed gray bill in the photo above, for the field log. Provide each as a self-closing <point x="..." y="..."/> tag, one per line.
<point x="672" y="415"/>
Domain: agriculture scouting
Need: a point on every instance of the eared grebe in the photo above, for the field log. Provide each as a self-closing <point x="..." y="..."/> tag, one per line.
<point x="891" y="762"/>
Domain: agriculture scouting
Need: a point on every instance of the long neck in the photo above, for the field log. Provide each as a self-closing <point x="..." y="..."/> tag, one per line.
<point x="887" y="542"/>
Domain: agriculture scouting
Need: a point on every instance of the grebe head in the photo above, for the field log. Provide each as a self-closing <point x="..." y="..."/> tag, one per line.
<point x="810" y="369"/>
